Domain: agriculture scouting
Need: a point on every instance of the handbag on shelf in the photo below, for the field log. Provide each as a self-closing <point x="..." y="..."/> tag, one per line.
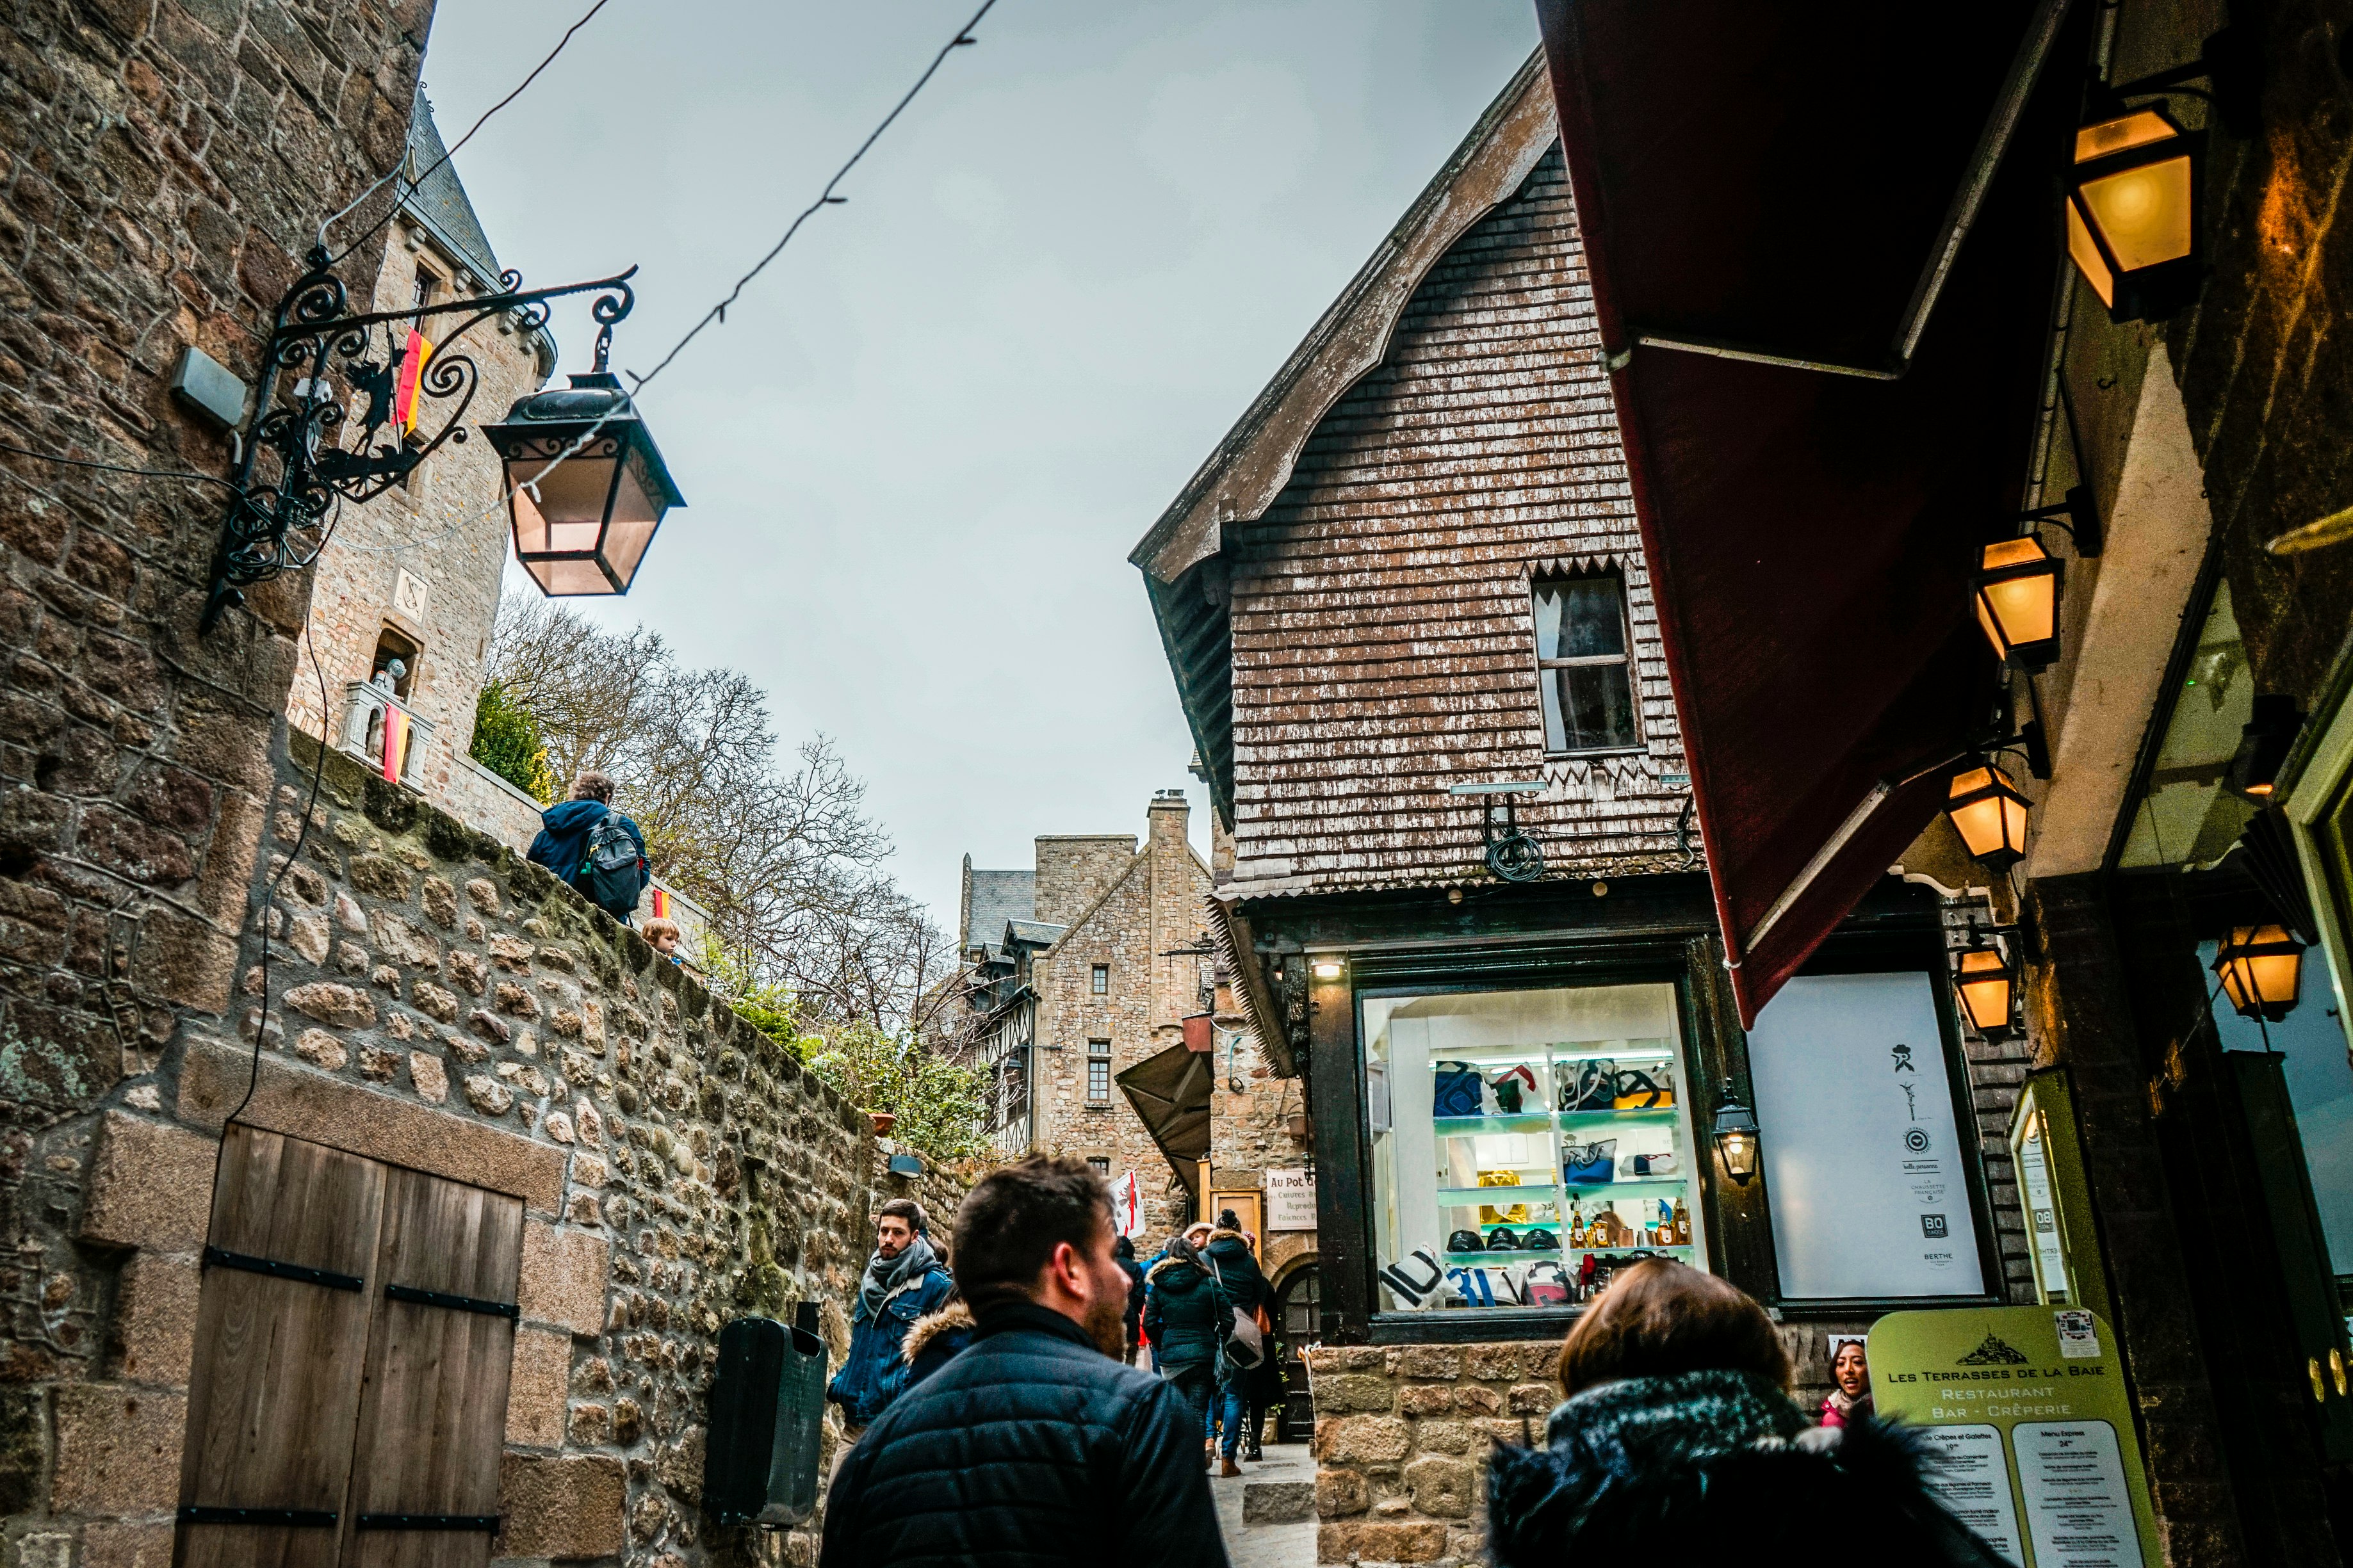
<point x="1459" y="1090"/>
<point x="1634" y="1090"/>
<point x="1647" y="1165"/>
<point x="1485" y="1287"/>
<point x="1547" y="1286"/>
<point x="1511" y="1087"/>
<point x="1592" y="1088"/>
<point x="1504" y="1214"/>
<point x="1415" y="1279"/>
<point x="1589" y="1164"/>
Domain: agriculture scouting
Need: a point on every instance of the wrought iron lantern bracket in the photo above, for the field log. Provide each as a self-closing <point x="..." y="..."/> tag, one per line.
<point x="343" y="372"/>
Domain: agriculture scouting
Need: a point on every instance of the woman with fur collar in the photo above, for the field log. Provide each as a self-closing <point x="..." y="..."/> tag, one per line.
<point x="1679" y="1444"/>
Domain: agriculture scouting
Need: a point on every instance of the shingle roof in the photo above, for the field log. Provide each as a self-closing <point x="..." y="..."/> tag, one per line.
<point x="440" y="200"/>
<point x="997" y="899"/>
<point x="1035" y="933"/>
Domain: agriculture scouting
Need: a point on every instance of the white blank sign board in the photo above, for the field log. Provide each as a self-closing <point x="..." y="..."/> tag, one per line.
<point x="1862" y="1164"/>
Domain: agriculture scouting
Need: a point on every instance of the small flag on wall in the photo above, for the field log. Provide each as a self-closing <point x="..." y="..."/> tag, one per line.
<point x="1127" y="1205"/>
<point x="405" y="398"/>
<point x="396" y="743"/>
<point x="661" y="904"/>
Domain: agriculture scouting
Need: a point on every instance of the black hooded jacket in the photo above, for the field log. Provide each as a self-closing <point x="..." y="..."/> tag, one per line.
<point x="1717" y="1467"/>
<point x="1030" y="1447"/>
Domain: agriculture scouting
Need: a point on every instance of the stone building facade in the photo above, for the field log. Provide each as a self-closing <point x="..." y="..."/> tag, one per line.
<point x="1084" y="966"/>
<point x="437" y="1004"/>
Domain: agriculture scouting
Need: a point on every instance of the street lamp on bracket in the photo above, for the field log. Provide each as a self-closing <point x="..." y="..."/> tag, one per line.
<point x="338" y="406"/>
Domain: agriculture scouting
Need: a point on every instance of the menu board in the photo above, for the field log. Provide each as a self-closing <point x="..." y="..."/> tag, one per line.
<point x="1870" y="1193"/>
<point x="2030" y="1407"/>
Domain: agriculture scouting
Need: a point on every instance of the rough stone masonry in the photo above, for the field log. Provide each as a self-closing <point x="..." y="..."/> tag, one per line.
<point x="436" y="1003"/>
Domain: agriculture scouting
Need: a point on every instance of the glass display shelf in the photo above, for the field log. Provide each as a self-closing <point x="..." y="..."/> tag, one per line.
<point x="1616" y="1255"/>
<point x="1669" y="1187"/>
<point x="1507" y="1254"/>
<point x="1613" y="1118"/>
<point x="1502" y="1197"/>
<point x="1515" y="1121"/>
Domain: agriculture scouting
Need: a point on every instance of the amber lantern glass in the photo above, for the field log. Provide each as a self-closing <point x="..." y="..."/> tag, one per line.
<point x="2132" y="213"/>
<point x="586" y="487"/>
<point x="2261" y="967"/>
<point x="1985" y="983"/>
<point x="1735" y="1134"/>
<point x="2016" y="588"/>
<point x="1990" y="815"/>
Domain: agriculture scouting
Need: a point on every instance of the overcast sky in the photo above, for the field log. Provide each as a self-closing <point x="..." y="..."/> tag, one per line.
<point x="918" y="452"/>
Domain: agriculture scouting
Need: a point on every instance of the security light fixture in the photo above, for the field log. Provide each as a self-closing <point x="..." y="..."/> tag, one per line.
<point x="2263" y="744"/>
<point x="585" y="484"/>
<point x="1989" y="814"/>
<point x="2132" y="211"/>
<point x="1327" y="969"/>
<point x="1735" y="1136"/>
<point x="1985" y="982"/>
<point x="2260" y="966"/>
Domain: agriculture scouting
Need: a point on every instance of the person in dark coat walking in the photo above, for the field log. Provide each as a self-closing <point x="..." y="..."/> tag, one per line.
<point x="1125" y="1250"/>
<point x="1180" y="1313"/>
<point x="1241" y="1288"/>
<point x="1033" y="1446"/>
<point x="903" y="1282"/>
<point x="933" y="1341"/>
<point x="1679" y="1443"/>
<point x="561" y="845"/>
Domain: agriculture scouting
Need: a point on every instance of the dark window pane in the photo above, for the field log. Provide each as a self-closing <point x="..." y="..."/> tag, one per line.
<point x="1099" y="1080"/>
<point x="1581" y="619"/>
<point x="1596" y="707"/>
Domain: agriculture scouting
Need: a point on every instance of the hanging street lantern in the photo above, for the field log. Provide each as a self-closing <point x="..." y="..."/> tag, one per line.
<point x="586" y="487"/>
<point x="2260" y="966"/>
<point x="2017" y="587"/>
<point x="1985" y="982"/>
<point x="2132" y="212"/>
<point x="2263" y="744"/>
<point x="1990" y="815"/>
<point x="1735" y="1135"/>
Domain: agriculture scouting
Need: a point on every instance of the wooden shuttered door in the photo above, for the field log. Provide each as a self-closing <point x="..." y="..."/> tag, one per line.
<point x="354" y="1344"/>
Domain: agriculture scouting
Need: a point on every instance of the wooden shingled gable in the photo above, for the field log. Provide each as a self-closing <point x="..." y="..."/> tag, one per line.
<point x="1344" y="588"/>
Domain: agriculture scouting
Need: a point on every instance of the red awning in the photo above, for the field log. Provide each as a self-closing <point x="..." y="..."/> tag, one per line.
<point x="1759" y="185"/>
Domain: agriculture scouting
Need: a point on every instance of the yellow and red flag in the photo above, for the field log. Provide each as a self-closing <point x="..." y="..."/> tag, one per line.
<point x="405" y="398"/>
<point x="661" y="904"/>
<point x="396" y="743"/>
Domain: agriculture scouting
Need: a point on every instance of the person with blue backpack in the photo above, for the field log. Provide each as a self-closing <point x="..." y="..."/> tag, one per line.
<point x="597" y="850"/>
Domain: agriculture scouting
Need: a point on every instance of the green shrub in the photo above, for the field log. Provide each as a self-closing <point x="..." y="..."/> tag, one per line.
<point x="507" y="741"/>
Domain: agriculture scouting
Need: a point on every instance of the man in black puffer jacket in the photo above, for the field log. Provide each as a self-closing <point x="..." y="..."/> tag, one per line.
<point x="1035" y="1445"/>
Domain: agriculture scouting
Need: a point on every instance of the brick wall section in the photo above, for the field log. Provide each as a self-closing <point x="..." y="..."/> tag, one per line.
<point x="447" y="528"/>
<point x="437" y="1003"/>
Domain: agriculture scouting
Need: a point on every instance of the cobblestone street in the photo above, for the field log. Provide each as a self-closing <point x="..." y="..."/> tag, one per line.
<point x="1268" y="1512"/>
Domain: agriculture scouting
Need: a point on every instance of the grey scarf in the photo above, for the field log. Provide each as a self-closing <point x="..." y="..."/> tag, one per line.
<point x="884" y="1275"/>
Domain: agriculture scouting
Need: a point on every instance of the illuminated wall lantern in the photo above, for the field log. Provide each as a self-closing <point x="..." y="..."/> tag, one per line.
<point x="2132" y="212"/>
<point x="1985" y="982"/>
<point x="2263" y="746"/>
<point x="1327" y="969"/>
<point x="1990" y="815"/>
<point x="2017" y="586"/>
<point x="582" y="525"/>
<point x="1736" y="1135"/>
<point x="2260" y="966"/>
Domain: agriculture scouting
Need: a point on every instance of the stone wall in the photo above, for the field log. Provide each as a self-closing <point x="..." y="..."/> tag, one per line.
<point x="436" y="1003"/>
<point x="1250" y="1131"/>
<point x="1136" y="920"/>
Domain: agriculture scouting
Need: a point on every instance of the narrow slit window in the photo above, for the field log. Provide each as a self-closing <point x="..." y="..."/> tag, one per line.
<point x="1583" y="672"/>
<point x="1098" y="1072"/>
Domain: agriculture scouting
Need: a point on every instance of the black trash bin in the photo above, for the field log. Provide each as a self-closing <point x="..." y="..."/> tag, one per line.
<point x="768" y="1413"/>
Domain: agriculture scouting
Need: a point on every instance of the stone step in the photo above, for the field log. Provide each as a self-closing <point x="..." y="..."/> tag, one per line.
<point x="1278" y="1502"/>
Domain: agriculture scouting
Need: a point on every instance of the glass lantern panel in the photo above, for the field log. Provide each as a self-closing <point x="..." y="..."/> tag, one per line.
<point x="635" y="518"/>
<point x="2087" y="256"/>
<point x="564" y="579"/>
<point x="2026" y="608"/>
<point x="2144" y="214"/>
<point x="559" y="509"/>
<point x="2139" y="129"/>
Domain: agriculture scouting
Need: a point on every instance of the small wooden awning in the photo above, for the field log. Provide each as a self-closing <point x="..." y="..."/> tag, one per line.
<point x="1170" y="1092"/>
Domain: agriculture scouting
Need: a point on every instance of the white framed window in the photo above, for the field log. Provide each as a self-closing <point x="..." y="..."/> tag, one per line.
<point x="1584" y="667"/>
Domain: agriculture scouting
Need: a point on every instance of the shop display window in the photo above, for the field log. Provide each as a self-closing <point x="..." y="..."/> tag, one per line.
<point x="1527" y="1142"/>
